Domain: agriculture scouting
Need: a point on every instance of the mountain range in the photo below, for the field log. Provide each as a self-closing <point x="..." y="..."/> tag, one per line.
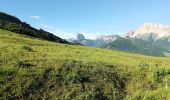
<point x="149" y="39"/>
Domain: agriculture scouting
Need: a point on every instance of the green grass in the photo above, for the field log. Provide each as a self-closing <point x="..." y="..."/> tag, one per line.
<point x="38" y="69"/>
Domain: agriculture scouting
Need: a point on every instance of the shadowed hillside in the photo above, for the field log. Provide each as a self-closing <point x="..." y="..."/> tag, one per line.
<point x="13" y="24"/>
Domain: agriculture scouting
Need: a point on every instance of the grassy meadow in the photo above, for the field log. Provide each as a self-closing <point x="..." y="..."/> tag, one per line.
<point x="38" y="69"/>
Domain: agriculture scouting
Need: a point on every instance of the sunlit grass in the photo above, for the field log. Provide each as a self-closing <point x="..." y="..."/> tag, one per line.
<point x="32" y="68"/>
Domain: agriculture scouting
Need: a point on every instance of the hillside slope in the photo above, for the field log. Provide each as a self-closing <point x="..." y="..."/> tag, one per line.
<point x="13" y="24"/>
<point x="37" y="69"/>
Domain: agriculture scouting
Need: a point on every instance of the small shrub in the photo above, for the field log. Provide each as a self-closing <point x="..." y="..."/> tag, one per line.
<point x="22" y="64"/>
<point x="71" y="77"/>
<point x="27" y="48"/>
<point x="143" y="65"/>
<point x="159" y="74"/>
<point x="99" y="94"/>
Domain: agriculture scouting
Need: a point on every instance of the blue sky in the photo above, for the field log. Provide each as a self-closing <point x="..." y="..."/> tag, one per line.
<point x="65" y="18"/>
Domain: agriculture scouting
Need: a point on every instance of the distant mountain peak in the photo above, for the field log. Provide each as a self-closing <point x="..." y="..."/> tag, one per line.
<point x="108" y="38"/>
<point x="156" y="25"/>
<point x="80" y="37"/>
<point x="153" y="30"/>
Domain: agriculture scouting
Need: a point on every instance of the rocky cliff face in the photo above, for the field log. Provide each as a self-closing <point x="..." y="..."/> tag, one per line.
<point x="80" y="37"/>
<point x="150" y="30"/>
<point x="108" y="38"/>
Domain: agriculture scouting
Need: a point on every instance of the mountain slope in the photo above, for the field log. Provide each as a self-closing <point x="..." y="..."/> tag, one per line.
<point x="13" y="24"/>
<point x="37" y="69"/>
<point x="135" y="45"/>
<point x="163" y="42"/>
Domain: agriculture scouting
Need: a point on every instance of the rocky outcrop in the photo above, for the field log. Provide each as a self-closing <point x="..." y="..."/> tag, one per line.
<point x="147" y="30"/>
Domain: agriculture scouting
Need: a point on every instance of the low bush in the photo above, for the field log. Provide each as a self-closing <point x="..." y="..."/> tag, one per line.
<point x="22" y="64"/>
<point x="160" y="73"/>
<point x="27" y="48"/>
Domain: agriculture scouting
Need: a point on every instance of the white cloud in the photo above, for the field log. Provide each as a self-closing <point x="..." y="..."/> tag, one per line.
<point x="66" y="35"/>
<point x="47" y="27"/>
<point x="89" y="35"/>
<point x="58" y="32"/>
<point x="35" y="17"/>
